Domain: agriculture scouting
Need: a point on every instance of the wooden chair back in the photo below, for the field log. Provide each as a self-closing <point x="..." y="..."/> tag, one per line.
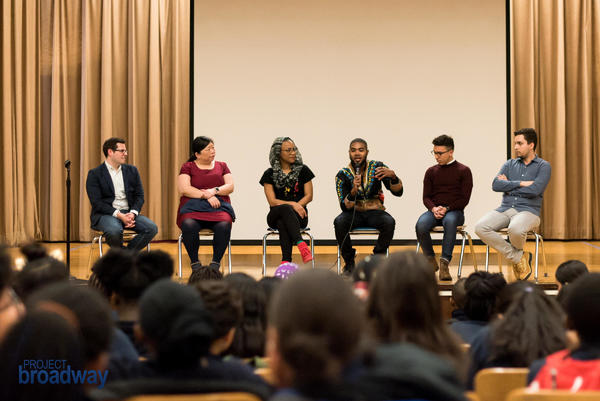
<point x="494" y="384"/>
<point x="552" y="395"/>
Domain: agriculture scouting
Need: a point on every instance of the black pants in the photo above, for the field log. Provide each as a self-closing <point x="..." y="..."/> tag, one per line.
<point x="288" y="223"/>
<point x="378" y="219"/>
<point x="222" y="233"/>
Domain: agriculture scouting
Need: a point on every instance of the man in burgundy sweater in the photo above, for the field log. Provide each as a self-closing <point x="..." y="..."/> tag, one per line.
<point x="446" y="191"/>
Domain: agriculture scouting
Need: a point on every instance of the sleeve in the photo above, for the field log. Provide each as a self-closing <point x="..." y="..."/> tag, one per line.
<point x="539" y="184"/>
<point x="305" y="175"/>
<point x="387" y="182"/>
<point x="267" y="177"/>
<point x="466" y="186"/>
<point x="428" y="189"/>
<point x="504" y="185"/>
<point x="343" y="188"/>
<point x="224" y="168"/>
<point x="94" y="192"/>
<point x="138" y="191"/>
<point x="186" y="168"/>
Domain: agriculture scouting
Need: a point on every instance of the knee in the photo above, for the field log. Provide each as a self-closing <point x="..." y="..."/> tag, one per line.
<point x="189" y="226"/>
<point x="222" y="227"/>
<point x="113" y="230"/>
<point x="152" y="229"/>
<point x="388" y="223"/>
<point x="514" y="231"/>
<point x="341" y="221"/>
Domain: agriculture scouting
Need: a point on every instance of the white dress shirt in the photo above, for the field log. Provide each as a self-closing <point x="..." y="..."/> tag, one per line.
<point x="120" y="202"/>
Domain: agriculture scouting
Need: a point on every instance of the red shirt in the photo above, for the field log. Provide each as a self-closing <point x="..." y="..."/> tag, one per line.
<point x="447" y="185"/>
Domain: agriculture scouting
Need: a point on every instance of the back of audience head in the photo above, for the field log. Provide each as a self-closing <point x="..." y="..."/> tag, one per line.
<point x="315" y="327"/>
<point x="175" y="325"/>
<point x="125" y="274"/>
<point x="41" y="335"/>
<point x="482" y="289"/>
<point x="205" y="273"/>
<point x="565" y="274"/>
<point x="583" y="308"/>
<point x="249" y="339"/>
<point x="269" y="284"/>
<point x="38" y="273"/>
<point x="92" y="313"/>
<point x="225" y="306"/>
<point x="531" y="325"/>
<point x="33" y="250"/>
<point x="404" y="306"/>
<point x="11" y="307"/>
<point x="459" y="295"/>
<point x="363" y="275"/>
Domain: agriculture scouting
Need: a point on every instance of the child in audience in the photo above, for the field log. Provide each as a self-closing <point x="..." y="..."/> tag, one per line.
<point x="205" y="273"/>
<point x="37" y="273"/>
<point x="530" y="326"/>
<point x="481" y="289"/>
<point x="566" y="273"/>
<point x="364" y="273"/>
<point x="11" y="307"/>
<point x="314" y="332"/>
<point x="457" y="301"/>
<point x="578" y="369"/>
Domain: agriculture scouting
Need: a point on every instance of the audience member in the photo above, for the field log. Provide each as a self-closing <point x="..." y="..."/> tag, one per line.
<point x="269" y="284"/>
<point x="566" y="273"/>
<point x="311" y="339"/>
<point x="404" y="306"/>
<point x="249" y="339"/>
<point x="578" y="369"/>
<point x="364" y="274"/>
<point x="530" y="326"/>
<point x="205" y="273"/>
<point x="481" y="289"/>
<point x="33" y="250"/>
<point x="11" y="307"/>
<point x="457" y="301"/>
<point x="38" y="273"/>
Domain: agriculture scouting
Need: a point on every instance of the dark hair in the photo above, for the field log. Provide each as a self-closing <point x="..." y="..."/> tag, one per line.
<point x="269" y="284"/>
<point x="319" y="326"/>
<point x="91" y="310"/>
<point x="128" y="274"/>
<point x="404" y="306"/>
<point x="39" y="273"/>
<point x="40" y="335"/>
<point x="33" y="250"/>
<point x="444" y="140"/>
<point x="458" y="292"/>
<point x="359" y="140"/>
<point x="568" y="271"/>
<point x="583" y="307"/>
<point x="481" y="289"/>
<point x="111" y="143"/>
<point x="529" y="134"/>
<point x="366" y="268"/>
<point x="205" y="273"/>
<point x="223" y="303"/>
<point x="199" y="143"/>
<point x="531" y="328"/>
<point x="6" y="270"/>
<point x="173" y="316"/>
<point x="249" y="340"/>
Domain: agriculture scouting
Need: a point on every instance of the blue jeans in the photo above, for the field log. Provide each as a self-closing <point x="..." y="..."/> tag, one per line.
<point x="113" y="231"/>
<point x="450" y="221"/>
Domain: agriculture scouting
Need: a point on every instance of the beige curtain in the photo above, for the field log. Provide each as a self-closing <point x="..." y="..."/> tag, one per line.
<point x="97" y="69"/>
<point x="555" y="71"/>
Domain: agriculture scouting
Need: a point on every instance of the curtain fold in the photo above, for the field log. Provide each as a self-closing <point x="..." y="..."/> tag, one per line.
<point x="554" y="88"/>
<point x="74" y="74"/>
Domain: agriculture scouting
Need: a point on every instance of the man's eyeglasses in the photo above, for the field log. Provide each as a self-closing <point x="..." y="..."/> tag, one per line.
<point x="439" y="153"/>
<point x="290" y="150"/>
<point x="121" y="150"/>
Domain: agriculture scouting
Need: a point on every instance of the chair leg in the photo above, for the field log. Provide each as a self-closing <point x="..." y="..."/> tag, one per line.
<point x="462" y="253"/>
<point x="537" y="256"/>
<point x="339" y="268"/>
<point x="544" y="256"/>
<point x="473" y="255"/>
<point x="264" y="256"/>
<point x="100" y="244"/>
<point x="312" y="247"/>
<point x="418" y="247"/>
<point x="179" y="253"/>
<point x="487" y="258"/>
<point x="229" y="255"/>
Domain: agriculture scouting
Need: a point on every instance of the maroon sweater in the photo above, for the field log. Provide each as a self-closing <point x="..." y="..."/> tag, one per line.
<point x="448" y="185"/>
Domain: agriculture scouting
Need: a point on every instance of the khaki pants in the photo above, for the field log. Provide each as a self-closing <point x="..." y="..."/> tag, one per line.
<point x="518" y="223"/>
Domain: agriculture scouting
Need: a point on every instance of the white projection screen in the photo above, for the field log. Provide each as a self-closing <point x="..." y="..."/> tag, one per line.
<point x="394" y="72"/>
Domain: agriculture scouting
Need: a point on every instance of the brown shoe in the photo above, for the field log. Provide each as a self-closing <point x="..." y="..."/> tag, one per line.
<point x="433" y="263"/>
<point x="522" y="270"/>
<point x="444" y="271"/>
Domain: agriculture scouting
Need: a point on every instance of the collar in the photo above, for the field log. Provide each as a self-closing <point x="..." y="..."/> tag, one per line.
<point x="111" y="168"/>
<point x="536" y="159"/>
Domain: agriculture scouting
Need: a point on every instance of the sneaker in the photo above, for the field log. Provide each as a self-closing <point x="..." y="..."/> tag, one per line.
<point x="433" y="262"/>
<point x="348" y="269"/>
<point x="215" y="265"/>
<point x="444" y="271"/>
<point x="195" y="266"/>
<point x="522" y="269"/>
<point x="305" y="252"/>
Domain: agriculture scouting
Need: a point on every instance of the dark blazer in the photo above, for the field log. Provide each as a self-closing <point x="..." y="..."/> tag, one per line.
<point x="101" y="190"/>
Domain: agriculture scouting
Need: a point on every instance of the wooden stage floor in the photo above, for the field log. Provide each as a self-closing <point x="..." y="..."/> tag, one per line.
<point x="248" y="259"/>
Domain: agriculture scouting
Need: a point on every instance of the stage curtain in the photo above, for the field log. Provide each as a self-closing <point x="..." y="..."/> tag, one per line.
<point x="554" y="88"/>
<point x="99" y="68"/>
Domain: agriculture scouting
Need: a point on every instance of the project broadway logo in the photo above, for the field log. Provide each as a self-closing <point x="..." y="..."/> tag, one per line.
<point x="58" y="371"/>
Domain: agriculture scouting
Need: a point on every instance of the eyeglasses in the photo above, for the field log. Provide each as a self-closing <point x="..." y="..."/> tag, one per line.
<point x="121" y="150"/>
<point x="440" y="153"/>
<point x="290" y="150"/>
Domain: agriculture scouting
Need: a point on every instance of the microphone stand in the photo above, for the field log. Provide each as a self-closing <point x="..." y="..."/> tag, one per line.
<point x="68" y="184"/>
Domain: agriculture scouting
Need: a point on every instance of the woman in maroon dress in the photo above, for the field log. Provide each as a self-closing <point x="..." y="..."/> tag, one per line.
<point x="205" y="185"/>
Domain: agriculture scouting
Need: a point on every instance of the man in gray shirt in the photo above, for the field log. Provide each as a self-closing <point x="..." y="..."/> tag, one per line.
<point x="523" y="181"/>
